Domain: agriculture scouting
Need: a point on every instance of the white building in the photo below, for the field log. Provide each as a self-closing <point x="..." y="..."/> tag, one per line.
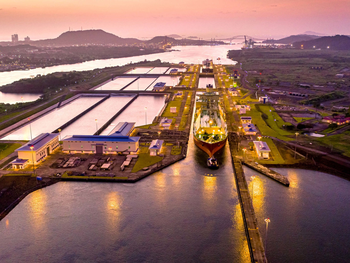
<point x="155" y="147"/>
<point x="262" y="149"/>
<point x="166" y="123"/>
<point x="36" y="150"/>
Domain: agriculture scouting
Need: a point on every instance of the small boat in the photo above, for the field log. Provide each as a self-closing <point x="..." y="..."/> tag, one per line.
<point x="212" y="162"/>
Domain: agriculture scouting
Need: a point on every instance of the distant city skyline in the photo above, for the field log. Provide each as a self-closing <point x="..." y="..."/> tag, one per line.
<point x="40" y="19"/>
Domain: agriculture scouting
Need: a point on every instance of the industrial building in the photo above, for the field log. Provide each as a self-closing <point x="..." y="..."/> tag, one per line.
<point x="118" y="141"/>
<point x="36" y="150"/>
<point x="249" y="129"/>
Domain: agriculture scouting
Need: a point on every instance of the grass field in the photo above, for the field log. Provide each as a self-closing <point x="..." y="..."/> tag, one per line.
<point x="275" y="154"/>
<point x="8" y="148"/>
<point x="301" y="119"/>
<point x="293" y="66"/>
<point x="268" y="127"/>
<point x="339" y="142"/>
<point x="175" y="103"/>
<point x="145" y="160"/>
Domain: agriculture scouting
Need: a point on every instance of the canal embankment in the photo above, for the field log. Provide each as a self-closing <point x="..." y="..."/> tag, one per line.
<point x="254" y="240"/>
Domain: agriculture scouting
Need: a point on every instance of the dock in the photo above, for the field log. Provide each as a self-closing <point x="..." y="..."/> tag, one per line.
<point x="268" y="172"/>
<point x="255" y="243"/>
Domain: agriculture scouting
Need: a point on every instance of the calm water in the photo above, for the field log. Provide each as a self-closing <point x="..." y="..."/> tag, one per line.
<point x="140" y="84"/>
<point x="117" y="83"/>
<point x="52" y="120"/>
<point x="94" y="119"/>
<point x="169" y="80"/>
<point x="309" y="220"/>
<point x="13" y="98"/>
<point x="188" y="54"/>
<point x="203" y="82"/>
<point x="176" y="215"/>
<point x="137" y="113"/>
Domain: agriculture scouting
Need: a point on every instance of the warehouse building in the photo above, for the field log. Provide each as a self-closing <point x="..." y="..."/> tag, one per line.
<point x="118" y="141"/>
<point x="36" y="150"/>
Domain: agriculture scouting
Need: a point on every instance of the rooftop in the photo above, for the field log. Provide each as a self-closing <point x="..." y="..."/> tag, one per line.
<point x="261" y="146"/>
<point x="101" y="138"/>
<point x="38" y="142"/>
<point x="122" y="129"/>
<point x="156" y="144"/>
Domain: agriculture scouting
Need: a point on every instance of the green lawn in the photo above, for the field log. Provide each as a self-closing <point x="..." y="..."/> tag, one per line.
<point x="175" y="103"/>
<point x="145" y="160"/>
<point x="8" y="148"/>
<point x="339" y="142"/>
<point x="301" y="119"/>
<point x="275" y="154"/>
<point x="268" y="128"/>
<point x="176" y="150"/>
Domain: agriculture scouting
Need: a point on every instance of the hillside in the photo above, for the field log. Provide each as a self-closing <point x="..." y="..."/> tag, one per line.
<point x="338" y="42"/>
<point x="90" y="37"/>
<point x="291" y="39"/>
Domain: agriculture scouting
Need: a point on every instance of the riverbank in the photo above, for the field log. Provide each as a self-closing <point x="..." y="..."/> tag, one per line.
<point x="15" y="187"/>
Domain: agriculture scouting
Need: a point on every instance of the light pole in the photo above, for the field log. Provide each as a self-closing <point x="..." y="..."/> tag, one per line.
<point x="59" y="134"/>
<point x="145" y="115"/>
<point x="267" y="221"/>
<point x="244" y="149"/>
<point x="259" y="137"/>
<point x="96" y="124"/>
<point x="30" y="128"/>
<point x="32" y="149"/>
<point x="253" y="177"/>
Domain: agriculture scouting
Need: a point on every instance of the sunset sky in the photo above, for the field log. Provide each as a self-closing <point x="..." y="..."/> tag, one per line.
<point x="40" y="19"/>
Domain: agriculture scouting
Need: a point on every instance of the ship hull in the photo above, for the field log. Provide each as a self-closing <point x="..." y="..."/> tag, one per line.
<point x="210" y="148"/>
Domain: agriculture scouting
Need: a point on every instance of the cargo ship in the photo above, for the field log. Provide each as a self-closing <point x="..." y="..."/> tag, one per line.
<point x="209" y="127"/>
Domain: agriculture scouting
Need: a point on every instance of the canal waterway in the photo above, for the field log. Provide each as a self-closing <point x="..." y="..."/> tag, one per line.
<point x="203" y="82"/>
<point x="181" y="214"/>
<point x="94" y="119"/>
<point x="117" y="83"/>
<point x="140" y="84"/>
<point x="13" y="98"/>
<point x="187" y="54"/>
<point x="53" y="119"/>
<point x="309" y="219"/>
<point x="141" y="111"/>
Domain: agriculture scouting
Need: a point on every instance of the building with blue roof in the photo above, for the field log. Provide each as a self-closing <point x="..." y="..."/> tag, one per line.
<point x="155" y="147"/>
<point x="249" y="129"/>
<point x="118" y="141"/>
<point x="159" y="86"/>
<point x="36" y="150"/>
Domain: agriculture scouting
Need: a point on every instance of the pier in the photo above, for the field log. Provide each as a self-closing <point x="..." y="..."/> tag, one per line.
<point x="268" y="172"/>
<point x="255" y="244"/>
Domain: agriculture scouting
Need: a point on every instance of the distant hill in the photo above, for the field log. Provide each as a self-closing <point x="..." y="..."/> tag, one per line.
<point x="91" y="37"/>
<point x="338" y="42"/>
<point x="184" y="41"/>
<point x="174" y="36"/>
<point x="314" y="33"/>
<point x="291" y="39"/>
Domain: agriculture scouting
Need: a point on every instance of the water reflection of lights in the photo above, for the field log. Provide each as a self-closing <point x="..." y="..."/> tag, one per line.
<point x="7" y="223"/>
<point x="176" y="176"/>
<point x="238" y="227"/>
<point x="37" y="209"/>
<point x="209" y="187"/>
<point x="293" y="179"/>
<point x="113" y="210"/>
<point x="258" y="195"/>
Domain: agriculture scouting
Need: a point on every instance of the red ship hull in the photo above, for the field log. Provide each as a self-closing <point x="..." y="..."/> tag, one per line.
<point x="210" y="148"/>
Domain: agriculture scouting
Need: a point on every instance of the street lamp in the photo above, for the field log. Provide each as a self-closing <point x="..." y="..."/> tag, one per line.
<point x="59" y="134"/>
<point x="259" y="137"/>
<point x="96" y="125"/>
<point x="267" y="221"/>
<point x="30" y="128"/>
<point x="145" y="115"/>
<point x="32" y="149"/>
<point x="252" y="177"/>
<point x="244" y="149"/>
